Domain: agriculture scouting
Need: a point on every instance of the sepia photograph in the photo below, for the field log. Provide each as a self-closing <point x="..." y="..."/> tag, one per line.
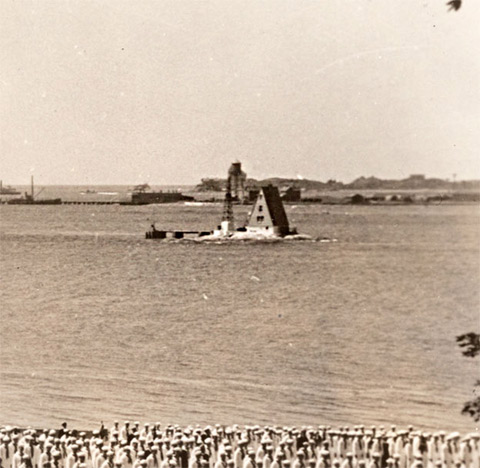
<point x="239" y="234"/>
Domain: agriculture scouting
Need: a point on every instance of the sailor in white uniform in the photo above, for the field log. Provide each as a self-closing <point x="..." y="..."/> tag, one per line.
<point x="357" y="447"/>
<point x="240" y="453"/>
<point x="72" y="456"/>
<point x="349" y="461"/>
<point x="417" y="462"/>
<point x="323" y="460"/>
<point x="46" y="455"/>
<point x="249" y="459"/>
<point x="375" y="461"/>
<point x="299" y="461"/>
<point x="268" y="457"/>
<point x="475" y="449"/>
<point x="125" y="431"/>
<point x="194" y="460"/>
<point x="17" y="457"/>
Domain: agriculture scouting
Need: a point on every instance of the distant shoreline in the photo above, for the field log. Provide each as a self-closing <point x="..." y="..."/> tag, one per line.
<point x="114" y="195"/>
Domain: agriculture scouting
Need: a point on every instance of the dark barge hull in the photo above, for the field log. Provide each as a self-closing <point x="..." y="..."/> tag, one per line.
<point x="147" y="198"/>
<point x="22" y="201"/>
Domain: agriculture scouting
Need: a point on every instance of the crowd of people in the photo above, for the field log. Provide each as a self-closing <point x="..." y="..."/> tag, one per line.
<point x="154" y="446"/>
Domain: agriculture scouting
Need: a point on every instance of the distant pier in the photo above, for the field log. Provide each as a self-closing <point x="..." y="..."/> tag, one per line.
<point x="63" y="202"/>
<point x="91" y="202"/>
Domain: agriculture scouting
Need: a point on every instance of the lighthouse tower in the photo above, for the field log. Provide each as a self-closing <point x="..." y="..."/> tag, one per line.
<point x="237" y="179"/>
<point x="227" y="225"/>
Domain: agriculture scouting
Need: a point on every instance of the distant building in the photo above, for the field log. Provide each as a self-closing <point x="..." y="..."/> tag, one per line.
<point x="292" y="194"/>
<point x="417" y="177"/>
<point x="358" y="199"/>
<point x="268" y="214"/>
<point x="253" y="194"/>
<point x="416" y="181"/>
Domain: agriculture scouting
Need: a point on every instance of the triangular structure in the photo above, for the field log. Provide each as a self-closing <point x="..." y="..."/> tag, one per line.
<point x="268" y="214"/>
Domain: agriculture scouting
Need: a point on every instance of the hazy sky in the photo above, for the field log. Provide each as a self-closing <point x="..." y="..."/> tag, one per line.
<point x="168" y="92"/>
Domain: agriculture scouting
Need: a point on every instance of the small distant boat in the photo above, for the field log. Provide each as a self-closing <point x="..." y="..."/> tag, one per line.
<point x="29" y="199"/>
<point x="93" y="192"/>
<point x="8" y="190"/>
<point x="141" y="188"/>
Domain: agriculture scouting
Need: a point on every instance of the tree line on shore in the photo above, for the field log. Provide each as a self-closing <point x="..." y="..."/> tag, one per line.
<point x="414" y="182"/>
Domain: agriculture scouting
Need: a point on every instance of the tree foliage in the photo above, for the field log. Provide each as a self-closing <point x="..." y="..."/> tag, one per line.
<point x="470" y="344"/>
<point x="472" y="407"/>
<point x="454" y="5"/>
<point x="211" y="185"/>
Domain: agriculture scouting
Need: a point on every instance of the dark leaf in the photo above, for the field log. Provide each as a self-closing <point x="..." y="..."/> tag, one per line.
<point x="454" y="4"/>
<point x="470" y="342"/>
<point x="472" y="408"/>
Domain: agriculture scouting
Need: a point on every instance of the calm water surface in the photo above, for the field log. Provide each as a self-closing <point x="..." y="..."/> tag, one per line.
<point x="98" y="323"/>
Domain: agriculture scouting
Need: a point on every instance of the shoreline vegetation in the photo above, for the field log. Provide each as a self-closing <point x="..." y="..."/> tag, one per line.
<point x="363" y="190"/>
<point x="363" y="197"/>
<point x="310" y="197"/>
<point x="413" y="182"/>
<point x="416" y="189"/>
